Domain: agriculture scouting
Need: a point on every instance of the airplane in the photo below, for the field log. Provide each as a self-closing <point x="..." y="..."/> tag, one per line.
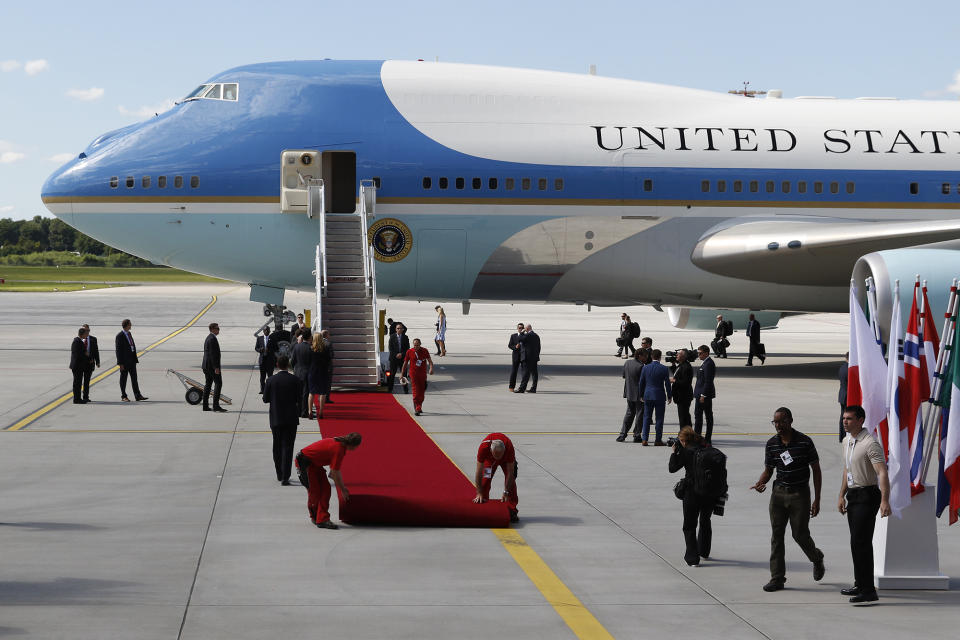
<point x="506" y="184"/>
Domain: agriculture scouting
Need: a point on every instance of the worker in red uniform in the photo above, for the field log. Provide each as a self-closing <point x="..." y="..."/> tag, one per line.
<point x="310" y="463"/>
<point x="417" y="361"/>
<point x="496" y="450"/>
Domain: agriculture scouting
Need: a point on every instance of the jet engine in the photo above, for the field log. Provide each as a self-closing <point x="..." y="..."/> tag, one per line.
<point x="937" y="266"/>
<point x="706" y="319"/>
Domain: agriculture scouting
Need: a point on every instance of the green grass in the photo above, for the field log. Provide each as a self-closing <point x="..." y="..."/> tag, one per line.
<point x="39" y="285"/>
<point x="18" y="275"/>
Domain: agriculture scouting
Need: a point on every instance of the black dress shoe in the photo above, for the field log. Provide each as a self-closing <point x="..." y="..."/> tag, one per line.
<point x="513" y="516"/>
<point x="621" y="438"/>
<point x="326" y="524"/>
<point x="818" y="570"/>
<point x="659" y="443"/>
<point x="142" y="398"/>
<point x="519" y="391"/>
<point x="207" y="409"/>
<point x="79" y="402"/>
<point x="220" y="409"/>
<point x="285" y="483"/>
<point x="532" y="391"/>
<point x="773" y="585"/>
<point x="851" y="591"/>
<point x="864" y="597"/>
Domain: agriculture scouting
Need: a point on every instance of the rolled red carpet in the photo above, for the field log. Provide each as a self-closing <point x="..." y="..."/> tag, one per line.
<point x="399" y="476"/>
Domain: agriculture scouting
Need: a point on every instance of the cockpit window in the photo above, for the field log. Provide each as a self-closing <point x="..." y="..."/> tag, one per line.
<point x="215" y="91"/>
<point x="196" y="92"/>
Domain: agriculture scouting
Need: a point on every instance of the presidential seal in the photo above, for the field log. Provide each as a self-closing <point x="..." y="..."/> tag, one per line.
<point x="391" y="240"/>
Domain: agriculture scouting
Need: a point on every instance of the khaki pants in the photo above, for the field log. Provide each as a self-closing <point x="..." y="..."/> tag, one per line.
<point x="790" y="505"/>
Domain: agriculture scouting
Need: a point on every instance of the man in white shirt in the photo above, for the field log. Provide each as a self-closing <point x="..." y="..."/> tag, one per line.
<point x="864" y="490"/>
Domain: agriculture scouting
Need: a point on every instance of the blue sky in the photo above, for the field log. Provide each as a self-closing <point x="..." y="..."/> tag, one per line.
<point x="72" y="70"/>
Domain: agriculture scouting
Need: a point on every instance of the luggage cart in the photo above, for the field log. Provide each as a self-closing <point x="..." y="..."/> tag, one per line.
<point x="194" y="389"/>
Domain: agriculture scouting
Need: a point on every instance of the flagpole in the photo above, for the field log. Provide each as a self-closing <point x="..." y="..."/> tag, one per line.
<point x="934" y="410"/>
<point x="872" y="307"/>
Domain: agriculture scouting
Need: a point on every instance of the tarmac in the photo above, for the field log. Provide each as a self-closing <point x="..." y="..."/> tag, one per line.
<point x="157" y="520"/>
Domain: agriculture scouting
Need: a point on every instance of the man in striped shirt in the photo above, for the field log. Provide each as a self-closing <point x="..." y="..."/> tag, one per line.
<point x="793" y="455"/>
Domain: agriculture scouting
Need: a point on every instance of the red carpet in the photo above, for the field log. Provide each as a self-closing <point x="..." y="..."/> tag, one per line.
<point x="399" y="476"/>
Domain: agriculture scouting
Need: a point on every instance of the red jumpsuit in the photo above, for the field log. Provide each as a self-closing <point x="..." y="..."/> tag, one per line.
<point x="322" y="452"/>
<point x="490" y="464"/>
<point x="416" y="363"/>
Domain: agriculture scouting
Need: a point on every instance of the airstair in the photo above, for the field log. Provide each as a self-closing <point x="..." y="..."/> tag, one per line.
<point x="346" y="287"/>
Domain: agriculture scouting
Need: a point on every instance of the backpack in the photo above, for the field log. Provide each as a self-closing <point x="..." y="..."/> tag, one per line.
<point x="710" y="472"/>
<point x="728" y="327"/>
<point x="634" y="330"/>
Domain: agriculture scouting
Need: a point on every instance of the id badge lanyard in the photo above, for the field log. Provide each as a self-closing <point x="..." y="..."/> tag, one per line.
<point x="849" y="461"/>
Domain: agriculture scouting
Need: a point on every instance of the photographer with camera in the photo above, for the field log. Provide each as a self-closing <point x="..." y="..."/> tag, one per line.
<point x="703" y="490"/>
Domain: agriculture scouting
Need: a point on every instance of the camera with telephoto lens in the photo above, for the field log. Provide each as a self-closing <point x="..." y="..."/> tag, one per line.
<point x="673" y="442"/>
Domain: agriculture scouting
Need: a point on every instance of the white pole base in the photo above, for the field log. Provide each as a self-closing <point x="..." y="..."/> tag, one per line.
<point x="906" y="550"/>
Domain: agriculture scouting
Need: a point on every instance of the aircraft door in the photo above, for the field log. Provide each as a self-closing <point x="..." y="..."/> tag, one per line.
<point x="441" y="262"/>
<point x="339" y="173"/>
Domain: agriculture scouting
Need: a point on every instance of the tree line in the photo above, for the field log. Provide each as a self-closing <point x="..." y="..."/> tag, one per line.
<point x="50" y="241"/>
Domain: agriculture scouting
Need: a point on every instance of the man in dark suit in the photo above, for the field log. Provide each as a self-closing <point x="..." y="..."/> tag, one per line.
<point x="704" y="393"/>
<point x="399" y="345"/>
<point x="78" y="363"/>
<point x="126" y="350"/>
<point x="302" y="353"/>
<point x="267" y="359"/>
<point x="93" y="361"/>
<point x="719" y="335"/>
<point x="211" y="369"/>
<point x="842" y="396"/>
<point x="529" y="357"/>
<point x="656" y="393"/>
<point x="631" y="391"/>
<point x="282" y="393"/>
<point x="514" y="346"/>
<point x="683" y="387"/>
<point x="753" y="333"/>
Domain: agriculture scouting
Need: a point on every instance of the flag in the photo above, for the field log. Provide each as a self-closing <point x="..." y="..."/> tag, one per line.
<point x="897" y="441"/>
<point x="867" y="369"/>
<point x="930" y="340"/>
<point x="914" y="392"/>
<point x="948" y="491"/>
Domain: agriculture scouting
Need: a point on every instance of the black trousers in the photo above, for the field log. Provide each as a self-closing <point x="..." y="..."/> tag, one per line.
<point x="755" y="351"/>
<point x="304" y="403"/>
<point x="718" y="348"/>
<point x="86" y="383"/>
<point x="529" y="369"/>
<point x="862" y="507"/>
<point x="216" y="380"/>
<point x="627" y="345"/>
<point x="77" y="384"/>
<point x="683" y="411"/>
<point x="283" y="439"/>
<point x="697" y="510"/>
<point x="514" y="367"/>
<point x="265" y="372"/>
<point x="129" y="370"/>
<point x="703" y="411"/>
<point x="396" y="364"/>
<point x="633" y="416"/>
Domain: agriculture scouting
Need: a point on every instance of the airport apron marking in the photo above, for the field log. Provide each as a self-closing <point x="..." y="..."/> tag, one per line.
<point x="583" y="624"/>
<point x="25" y="421"/>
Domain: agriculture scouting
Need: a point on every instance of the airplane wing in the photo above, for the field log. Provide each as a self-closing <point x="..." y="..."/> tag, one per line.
<point x="808" y="251"/>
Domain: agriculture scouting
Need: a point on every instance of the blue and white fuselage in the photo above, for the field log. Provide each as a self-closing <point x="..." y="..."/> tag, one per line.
<point x="530" y="185"/>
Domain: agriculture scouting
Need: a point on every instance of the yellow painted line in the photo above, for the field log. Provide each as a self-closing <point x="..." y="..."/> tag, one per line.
<point x="23" y="422"/>
<point x="577" y="616"/>
<point x="583" y="624"/>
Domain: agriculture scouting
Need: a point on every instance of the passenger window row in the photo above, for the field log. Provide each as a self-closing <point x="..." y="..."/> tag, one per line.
<point x="145" y="181"/>
<point x="772" y="186"/>
<point x="493" y="184"/>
